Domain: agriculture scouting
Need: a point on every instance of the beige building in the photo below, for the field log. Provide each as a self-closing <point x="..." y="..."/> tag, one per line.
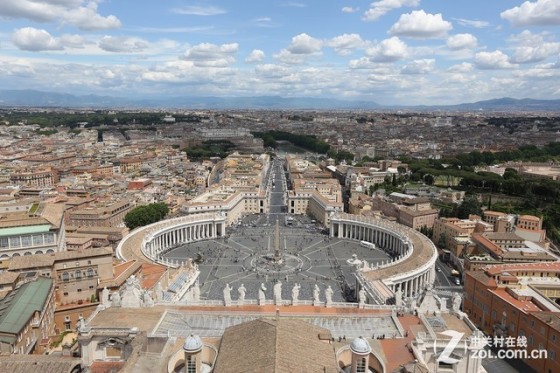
<point x="38" y="229"/>
<point x="413" y="212"/>
<point x="76" y="273"/>
<point x="109" y="215"/>
<point x="36" y="177"/>
<point x="452" y="233"/>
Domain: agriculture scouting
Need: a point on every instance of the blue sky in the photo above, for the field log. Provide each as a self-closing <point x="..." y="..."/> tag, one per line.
<point x="388" y="51"/>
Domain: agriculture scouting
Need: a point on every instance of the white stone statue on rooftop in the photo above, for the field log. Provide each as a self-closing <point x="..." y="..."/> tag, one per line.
<point x="316" y="295"/>
<point x="241" y="290"/>
<point x="456" y="302"/>
<point x="277" y="290"/>
<point x="295" y="294"/>
<point x="398" y="297"/>
<point x="328" y="295"/>
<point x="262" y="295"/>
<point x="105" y="297"/>
<point x="227" y="295"/>
<point x="116" y="299"/>
<point x="362" y="296"/>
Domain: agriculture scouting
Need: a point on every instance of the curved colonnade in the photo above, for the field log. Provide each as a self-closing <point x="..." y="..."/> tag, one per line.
<point x="156" y="239"/>
<point x="413" y="268"/>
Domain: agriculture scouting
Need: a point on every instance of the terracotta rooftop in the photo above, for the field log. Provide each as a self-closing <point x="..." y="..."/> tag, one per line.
<point x="528" y="267"/>
<point x="525" y="305"/>
<point x="37" y="363"/>
<point x="266" y="345"/>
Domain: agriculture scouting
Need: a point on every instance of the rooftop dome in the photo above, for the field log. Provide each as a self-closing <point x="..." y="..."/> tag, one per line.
<point x="192" y="344"/>
<point x="360" y="346"/>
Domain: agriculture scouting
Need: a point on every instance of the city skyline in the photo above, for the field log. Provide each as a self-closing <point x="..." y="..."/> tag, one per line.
<point x="400" y="52"/>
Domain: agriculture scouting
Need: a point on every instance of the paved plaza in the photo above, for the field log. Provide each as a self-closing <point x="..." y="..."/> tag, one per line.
<point x="309" y="257"/>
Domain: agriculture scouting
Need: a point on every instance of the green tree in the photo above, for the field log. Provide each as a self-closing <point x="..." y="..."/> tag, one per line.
<point x="144" y="215"/>
<point x="429" y="179"/>
<point x="470" y="206"/>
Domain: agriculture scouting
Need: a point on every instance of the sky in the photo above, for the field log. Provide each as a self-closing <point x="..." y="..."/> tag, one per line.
<point x="393" y="52"/>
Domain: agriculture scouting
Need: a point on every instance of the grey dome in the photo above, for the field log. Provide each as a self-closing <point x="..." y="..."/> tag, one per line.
<point x="360" y="346"/>
<point x="192" y="344"/>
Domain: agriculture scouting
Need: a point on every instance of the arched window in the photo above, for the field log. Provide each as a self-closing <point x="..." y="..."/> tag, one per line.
<point x="65" y="276"/>
<point x="90" y="272"/>
<point x="361" y="365"/>
<point x="191" y="364"/>
<point x="78" y="274"/>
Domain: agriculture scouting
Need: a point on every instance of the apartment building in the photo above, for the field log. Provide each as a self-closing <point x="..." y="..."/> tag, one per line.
<point x="26" y="317"/>
<point x="36" y="230"/>
<point x="75" y="273"/>
<point x="34" y="177"/>
<point x="453" y="234"/>
<point x="413" y="212"/>
<point x="519" y="301"/>
<point x="107" y="215"/>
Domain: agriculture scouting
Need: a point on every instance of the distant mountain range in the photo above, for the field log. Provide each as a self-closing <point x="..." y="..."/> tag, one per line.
<point x="32" y="98"/>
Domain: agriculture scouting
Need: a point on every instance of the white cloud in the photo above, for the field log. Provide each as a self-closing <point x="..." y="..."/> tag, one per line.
<point x="194" y="10"/>
<point x="423" y="66"/>
<point x="382" y="7"/>
<point x="349" y="9"/>
<point x="212" y="55"/>
<point x="461" y="41"/>
<point x="420" y="24"/>
<point x="539" y="13"/>
<point x="388" y="50"/>
<point x="35" y="40"/>
<point x="305" y="44"/>
<point x="345" y="44"/>
<point x="256" y="55"/>
<point x="492" y="60"/>
<point x="72" y="41"/>
<point x="271" y="70"/>
<point x="463" y="67"/>
<point x="472" y="22"/>
<point x="533" y="47"/>
<point x="123" y="44"/>
<point x="74" y="12"/>
<point x="87" y="18"/>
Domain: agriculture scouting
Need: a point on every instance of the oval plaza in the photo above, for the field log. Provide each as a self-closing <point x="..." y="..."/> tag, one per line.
<point x="408" y="267"/>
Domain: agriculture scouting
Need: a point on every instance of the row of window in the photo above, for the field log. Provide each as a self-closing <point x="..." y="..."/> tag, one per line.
<point x="26" y="241"/>
<point x="77" y="274"/>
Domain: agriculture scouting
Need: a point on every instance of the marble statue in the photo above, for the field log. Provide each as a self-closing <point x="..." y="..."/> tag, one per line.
<point x="241" y="290"/>
<point x="116" y="299"/>
<point x="262" y="295"/>
<point x="105" y="297"/>
<point x="227" y="295"/>
<point x="362" y="297"/>
<point x="147" y="299"/>
<point x="81" y="324"/>
<point x="316" y="295"/>
<point x="277" y="290"/>
<point x="132" y="293"/>
<point x="456" y="302"/>
<point x="295" y="294"/>
<point x="328" y="295"/>
<point x="398" y="297"/>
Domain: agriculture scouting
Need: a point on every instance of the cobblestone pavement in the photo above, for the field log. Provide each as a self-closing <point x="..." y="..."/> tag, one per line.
<point x="244" y="258"/>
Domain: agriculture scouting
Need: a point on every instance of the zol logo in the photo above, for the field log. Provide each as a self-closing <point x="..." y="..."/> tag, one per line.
<point x="445" y="355"/>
